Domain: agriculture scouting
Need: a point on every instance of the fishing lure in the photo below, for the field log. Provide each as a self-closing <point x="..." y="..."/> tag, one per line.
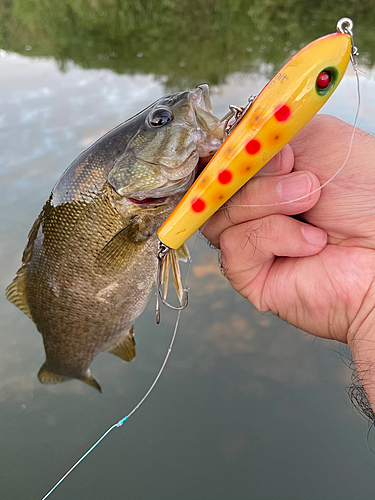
<point x="259" y="131"/>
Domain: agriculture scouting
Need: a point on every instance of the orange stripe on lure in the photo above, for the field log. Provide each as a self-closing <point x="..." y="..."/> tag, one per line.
<point x="285" y="105"/>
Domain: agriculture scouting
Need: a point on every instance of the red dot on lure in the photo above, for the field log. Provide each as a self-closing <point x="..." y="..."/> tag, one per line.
<point x="198" y="205"/>
<point x="323" y="80"/>
<point x="252" y="147"/>
<point x="224" y="177"/>
<point x="282" y="113"/>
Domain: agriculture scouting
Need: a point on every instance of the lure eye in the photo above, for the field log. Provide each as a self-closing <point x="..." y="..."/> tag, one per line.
<point x="323" y="80"/>
<point x="326" y="80"/>
<point x="160" y="117"/>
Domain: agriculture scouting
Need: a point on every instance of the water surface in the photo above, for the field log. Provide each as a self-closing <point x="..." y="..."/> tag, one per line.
<point x="248" y="407"/>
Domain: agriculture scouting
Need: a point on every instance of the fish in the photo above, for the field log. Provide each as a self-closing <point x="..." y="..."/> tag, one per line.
<point x="90" y="263"/>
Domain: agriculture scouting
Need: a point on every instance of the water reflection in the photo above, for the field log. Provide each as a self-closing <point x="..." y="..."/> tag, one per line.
<point x="248" y="406"/>
<point x="164" y="38"/>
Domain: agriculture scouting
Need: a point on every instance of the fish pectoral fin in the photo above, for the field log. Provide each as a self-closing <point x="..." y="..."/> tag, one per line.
<point x="183" y="253"/>
<point x="121" y="248"/>
<point x="124" y="348"/>
<point x="16" y="291"/>
<point x="176" y="275"/>
<point x="171" y="263"/>
<point x="47" y="377"/>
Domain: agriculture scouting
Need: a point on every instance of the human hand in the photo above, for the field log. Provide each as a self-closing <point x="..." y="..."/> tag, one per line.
<point x="317" y="272"/>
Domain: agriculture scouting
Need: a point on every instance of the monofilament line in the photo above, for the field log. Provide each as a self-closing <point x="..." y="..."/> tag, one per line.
<point x="121" y="421"/>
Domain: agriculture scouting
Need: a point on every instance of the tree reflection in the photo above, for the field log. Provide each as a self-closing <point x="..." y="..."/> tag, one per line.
<point x="184" y="41"/>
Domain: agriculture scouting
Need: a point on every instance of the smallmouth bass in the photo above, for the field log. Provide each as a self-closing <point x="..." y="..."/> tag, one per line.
<point x="90" y="263"/>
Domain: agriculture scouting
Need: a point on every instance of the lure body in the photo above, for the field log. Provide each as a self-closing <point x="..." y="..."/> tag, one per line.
<point x="285" y="105"/>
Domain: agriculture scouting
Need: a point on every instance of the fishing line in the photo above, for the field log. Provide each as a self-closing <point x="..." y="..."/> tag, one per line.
<point x="124" y="419"/>
<point x="356" y="71"/>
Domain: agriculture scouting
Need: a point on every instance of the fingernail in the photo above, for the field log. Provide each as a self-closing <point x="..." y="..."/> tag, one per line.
<point x="273" y="165"/>
<point x="314" y="235"/>
<point x="294" y="186"/>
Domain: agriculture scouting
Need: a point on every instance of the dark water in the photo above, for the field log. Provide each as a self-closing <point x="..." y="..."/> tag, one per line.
<point x="248" y="407"/>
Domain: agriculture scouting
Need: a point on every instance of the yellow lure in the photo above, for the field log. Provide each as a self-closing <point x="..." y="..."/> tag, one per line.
<point x="285" y="105"/>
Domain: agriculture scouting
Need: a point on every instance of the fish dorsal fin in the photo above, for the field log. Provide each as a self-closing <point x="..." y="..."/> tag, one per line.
<point x="124" y="348"/>
<point x="47" y="377"/>
<point x="27" y="253"/>
<point x="16" y="291"/>
<point x="121" y="248"/>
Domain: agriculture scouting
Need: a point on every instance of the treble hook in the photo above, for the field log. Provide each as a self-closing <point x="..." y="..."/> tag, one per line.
<point x="162" y="252"/>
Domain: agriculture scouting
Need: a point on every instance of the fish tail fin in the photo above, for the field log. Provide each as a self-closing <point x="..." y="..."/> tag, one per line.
<point x="47" y="377"/>
<point x="89" y="380"/>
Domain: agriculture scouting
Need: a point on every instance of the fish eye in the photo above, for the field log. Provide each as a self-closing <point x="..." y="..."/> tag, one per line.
<point x="160" y="117"/>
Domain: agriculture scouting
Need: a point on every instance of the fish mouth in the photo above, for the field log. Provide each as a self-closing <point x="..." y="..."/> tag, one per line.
<point x="148" y="201"/>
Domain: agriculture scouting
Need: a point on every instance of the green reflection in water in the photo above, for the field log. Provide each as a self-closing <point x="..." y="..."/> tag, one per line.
<point x="188" y="41"/>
